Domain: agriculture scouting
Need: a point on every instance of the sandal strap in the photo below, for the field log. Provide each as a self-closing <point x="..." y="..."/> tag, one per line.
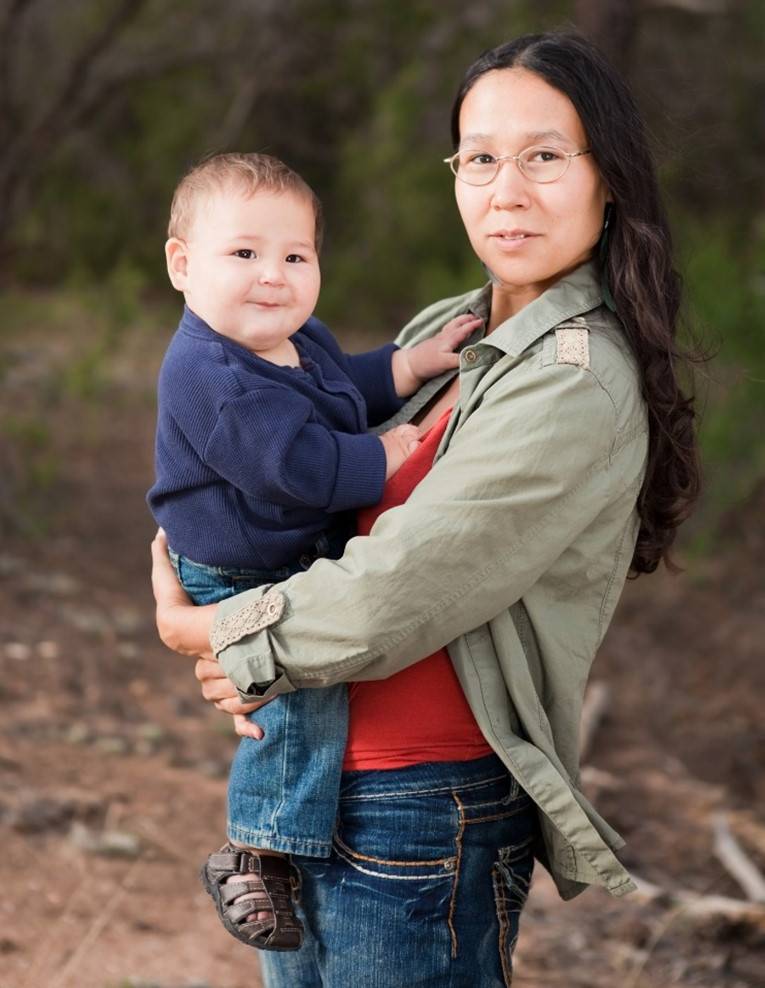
<point x="271" y="884"/>
<point x="231" y="891"/>
<point x="239" y="911"/>
<point x="233" y="862"/>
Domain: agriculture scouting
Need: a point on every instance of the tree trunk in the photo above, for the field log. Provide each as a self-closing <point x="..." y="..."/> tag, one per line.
<point x="612" y="25"/>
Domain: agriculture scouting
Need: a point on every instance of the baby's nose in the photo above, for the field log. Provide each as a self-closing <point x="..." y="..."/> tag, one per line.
<point x="271" y="274"/>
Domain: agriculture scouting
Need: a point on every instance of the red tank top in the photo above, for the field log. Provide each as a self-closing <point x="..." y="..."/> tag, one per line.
<point x="419" y="714"/>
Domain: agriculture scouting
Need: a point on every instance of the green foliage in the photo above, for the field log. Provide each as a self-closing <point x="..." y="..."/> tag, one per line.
<point x="358" y="100"/>
<point x="64" y="356"/>
<point x="31" y="471"/>
<point x="395" y="199"/>
<point x="395" y="240"/>
<point x="726" y="288"/>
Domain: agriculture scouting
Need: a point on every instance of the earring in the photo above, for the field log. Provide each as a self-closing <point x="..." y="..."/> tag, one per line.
<point x="608" y="298"/>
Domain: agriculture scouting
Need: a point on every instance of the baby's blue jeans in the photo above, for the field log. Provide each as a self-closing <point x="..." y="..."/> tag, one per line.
<point x="282" y="790"/>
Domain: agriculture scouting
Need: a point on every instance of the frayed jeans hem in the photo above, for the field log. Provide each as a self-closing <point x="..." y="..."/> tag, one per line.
<point x="271" y="842"/>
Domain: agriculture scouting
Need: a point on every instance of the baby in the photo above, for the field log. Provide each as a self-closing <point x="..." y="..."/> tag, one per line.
<point x="262" y="454"/>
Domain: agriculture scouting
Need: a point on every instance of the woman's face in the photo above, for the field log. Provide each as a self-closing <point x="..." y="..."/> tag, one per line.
<point x="527" y="234"/>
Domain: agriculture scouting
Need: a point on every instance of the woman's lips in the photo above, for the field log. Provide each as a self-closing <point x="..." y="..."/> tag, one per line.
<point x="512" y="239"/>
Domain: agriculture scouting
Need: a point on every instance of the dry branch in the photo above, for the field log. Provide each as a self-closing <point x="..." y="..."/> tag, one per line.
<point x="748" y="829"/>
<point x="597" y="779"/>
<point x="100" y="922"/>
<point x="693" y="905"/>
<point x="736" y="861"/>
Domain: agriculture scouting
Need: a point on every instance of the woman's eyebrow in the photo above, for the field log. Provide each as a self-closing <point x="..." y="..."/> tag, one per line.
<point x="475" y="139"/>
<point x="546" y="135"/>
<point x="533" y="137"/>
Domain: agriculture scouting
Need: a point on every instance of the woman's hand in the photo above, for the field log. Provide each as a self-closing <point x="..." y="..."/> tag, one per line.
<point x="221" y="691"/>
<point x="182" y="627"/>
<point x="186" y="629"/>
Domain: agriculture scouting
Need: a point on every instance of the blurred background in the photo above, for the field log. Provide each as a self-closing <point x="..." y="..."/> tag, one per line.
<point x="113" y="772"/>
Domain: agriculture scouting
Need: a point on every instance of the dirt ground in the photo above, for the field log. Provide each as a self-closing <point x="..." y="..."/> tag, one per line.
<point x="113" y="770"/>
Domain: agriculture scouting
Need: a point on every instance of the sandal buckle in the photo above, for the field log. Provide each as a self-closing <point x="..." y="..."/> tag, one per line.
<point x="248" y="864"/>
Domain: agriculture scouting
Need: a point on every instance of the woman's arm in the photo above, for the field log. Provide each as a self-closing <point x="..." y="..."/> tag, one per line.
<point x="186" y="629"/>
<point x="183" y="627"/>
<point x="526" y="473"/>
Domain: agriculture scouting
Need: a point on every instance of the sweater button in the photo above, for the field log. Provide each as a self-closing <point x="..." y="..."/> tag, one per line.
<point x="470" y="356"/>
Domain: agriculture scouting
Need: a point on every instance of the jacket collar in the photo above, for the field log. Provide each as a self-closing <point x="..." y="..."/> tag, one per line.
<point x="578" y="292"/>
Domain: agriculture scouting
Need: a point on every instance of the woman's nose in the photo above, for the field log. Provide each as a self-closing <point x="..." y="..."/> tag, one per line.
<point x="510" y="187"/>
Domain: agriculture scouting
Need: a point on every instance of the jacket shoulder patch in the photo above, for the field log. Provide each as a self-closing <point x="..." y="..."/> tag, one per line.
<point x="573" y="344"/>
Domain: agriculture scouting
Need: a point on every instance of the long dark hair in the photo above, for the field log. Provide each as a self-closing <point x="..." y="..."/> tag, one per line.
<point x="639" y="270"/>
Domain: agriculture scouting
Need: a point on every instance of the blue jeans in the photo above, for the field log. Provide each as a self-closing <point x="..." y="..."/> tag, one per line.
<point x="283" y="789"/>
<point x="428" y="875"/>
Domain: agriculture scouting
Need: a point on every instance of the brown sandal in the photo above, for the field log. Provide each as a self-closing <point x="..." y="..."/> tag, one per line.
<point x="274" y="880"/>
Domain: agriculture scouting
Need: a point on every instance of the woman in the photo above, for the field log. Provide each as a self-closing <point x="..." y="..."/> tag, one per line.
<point x="568" y="458"/>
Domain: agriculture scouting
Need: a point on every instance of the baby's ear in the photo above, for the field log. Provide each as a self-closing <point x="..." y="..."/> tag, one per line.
<point x="176" y="254"/>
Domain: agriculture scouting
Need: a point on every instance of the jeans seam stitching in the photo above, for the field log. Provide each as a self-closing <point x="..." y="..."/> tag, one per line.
<point x="497" y="816"/>
<point x="423" y="792"/>
<point x="515" y="793"/>
<point x="384" y="861"/>
<point x="515" y="848"/>
<point x="500" y="904"/>
<point x="283" y="771"/>
<point x="456" y="882"/>
<point x="381" y="874"/>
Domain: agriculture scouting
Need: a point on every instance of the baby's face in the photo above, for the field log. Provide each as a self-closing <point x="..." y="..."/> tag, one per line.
<point x="251" y="269"/>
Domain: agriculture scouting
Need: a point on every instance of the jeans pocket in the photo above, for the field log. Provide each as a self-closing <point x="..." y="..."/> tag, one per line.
<point x="407" y="866"/>
<point x="493" y="799"/>
<point x="511" y="878"/>
<point x="406" y="836"/>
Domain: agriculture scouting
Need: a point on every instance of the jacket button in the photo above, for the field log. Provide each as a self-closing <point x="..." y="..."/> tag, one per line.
<point x="305" y="561"/>
<point x="470" y="356"/>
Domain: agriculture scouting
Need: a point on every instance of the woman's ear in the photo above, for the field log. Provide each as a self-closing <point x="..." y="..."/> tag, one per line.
<point x="176" y="255"/>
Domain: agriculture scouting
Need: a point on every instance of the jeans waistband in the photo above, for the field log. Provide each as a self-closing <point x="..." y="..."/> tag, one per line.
<point x="329" y="543"/>
<point x="236" y="572"/>
<point x="425" y="777"/>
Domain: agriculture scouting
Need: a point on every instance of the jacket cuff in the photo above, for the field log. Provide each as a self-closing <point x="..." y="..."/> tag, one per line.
<point x="264" y="691"/>
<point x="232" y="624"/>
<point x="254" y="676"/>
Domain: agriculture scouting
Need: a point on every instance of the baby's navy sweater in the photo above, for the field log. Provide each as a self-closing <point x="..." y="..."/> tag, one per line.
<point x="252" y="459"/>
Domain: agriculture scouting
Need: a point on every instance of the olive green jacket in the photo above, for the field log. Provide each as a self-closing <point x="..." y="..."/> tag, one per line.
<point x="512" y="552"/>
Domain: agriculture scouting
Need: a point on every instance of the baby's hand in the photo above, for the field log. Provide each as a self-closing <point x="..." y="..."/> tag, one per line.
<point x="399" y="444"/>
<point x="432" y="357"/>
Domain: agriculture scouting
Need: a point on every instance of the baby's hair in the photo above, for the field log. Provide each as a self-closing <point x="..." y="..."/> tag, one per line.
<point x="250" y="173"/>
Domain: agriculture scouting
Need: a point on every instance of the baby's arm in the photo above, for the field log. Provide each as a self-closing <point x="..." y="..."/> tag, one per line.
<point x="268" y="444"/>
<point x="300" y="463"/>
<point x="414" y="365"/>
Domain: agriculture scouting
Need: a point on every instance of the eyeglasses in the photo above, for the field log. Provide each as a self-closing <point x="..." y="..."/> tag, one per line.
<point x="539" y="164"/>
